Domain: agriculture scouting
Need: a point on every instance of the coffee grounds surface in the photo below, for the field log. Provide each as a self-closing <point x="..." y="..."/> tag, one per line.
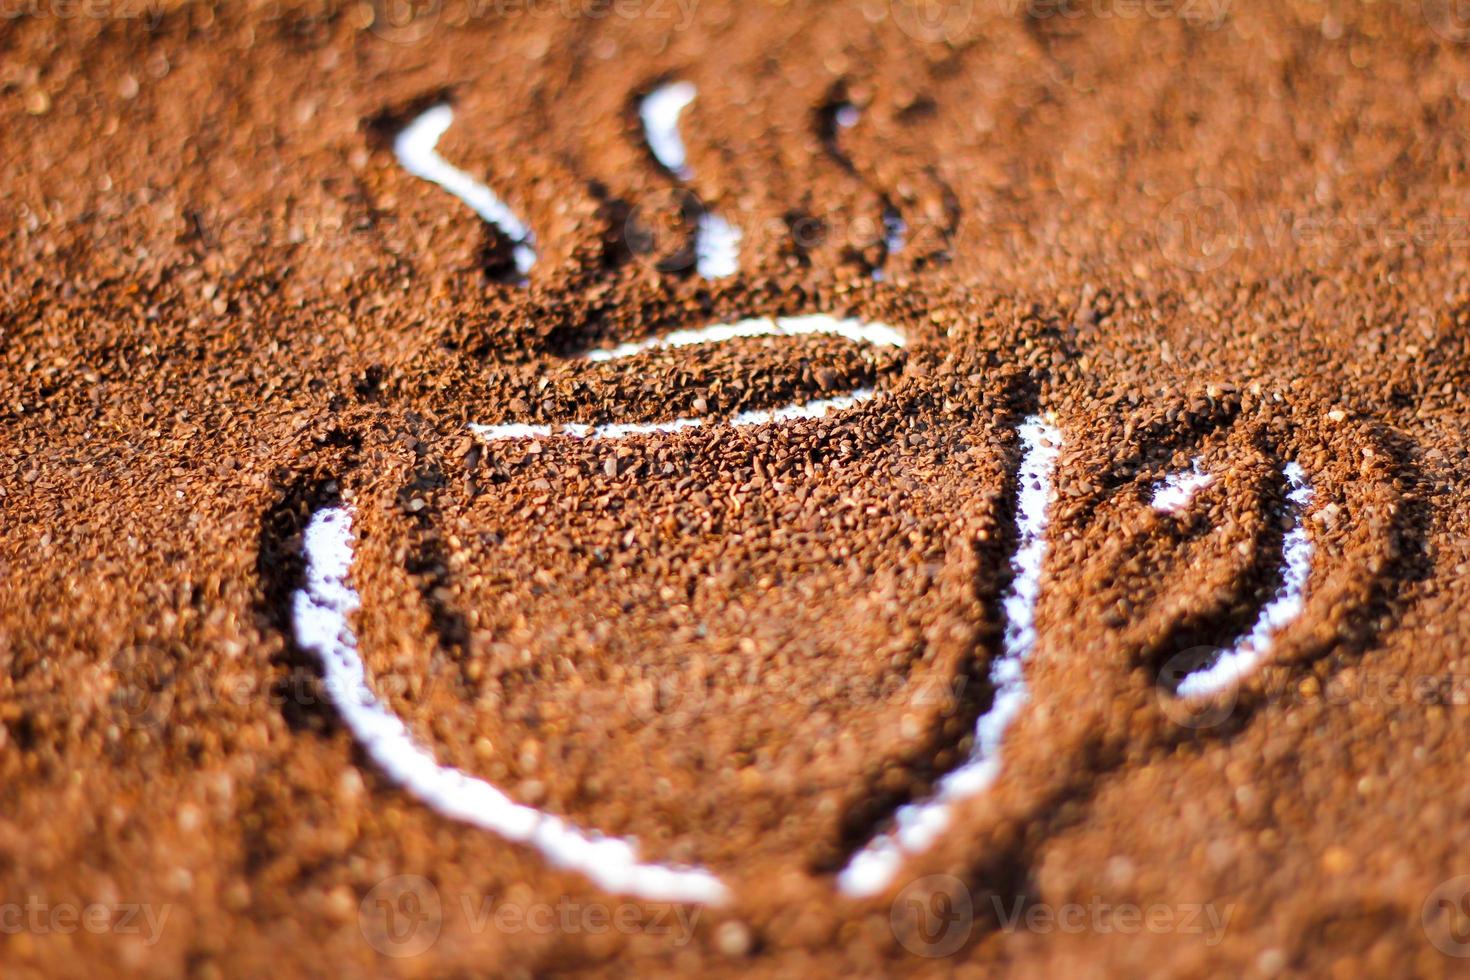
<point x="1233" y="236"/>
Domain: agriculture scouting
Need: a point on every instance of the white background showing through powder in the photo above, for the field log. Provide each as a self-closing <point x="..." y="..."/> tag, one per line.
<point x="857" y="331"/>
<point x="322" y="607"/>
<point x="918" y="825"/>
<point x="1296" y="563"/>
<point x="1176" y="490"/>
<point x="320" y="617"/>
<point x="716" y="241"/>
<point x="415" y="149"/>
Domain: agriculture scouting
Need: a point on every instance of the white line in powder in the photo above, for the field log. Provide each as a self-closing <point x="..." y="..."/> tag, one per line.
<point x="1296" y="562"/>
<point x="895" y="229"/>
<point x="321" y="609"/>
<point x="918" y="825"/>
<point x="660" y="111"/>
<point x="415" y="149"/>
<point x="1176" y="490"/>
<point x="716" y="247"/>
<point x="716" y="241"/>
<point x="617" y="430"/>
<point x="857" y="331"/>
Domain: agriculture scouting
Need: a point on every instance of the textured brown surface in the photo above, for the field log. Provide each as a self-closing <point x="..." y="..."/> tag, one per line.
<point x="222" y="301"/>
